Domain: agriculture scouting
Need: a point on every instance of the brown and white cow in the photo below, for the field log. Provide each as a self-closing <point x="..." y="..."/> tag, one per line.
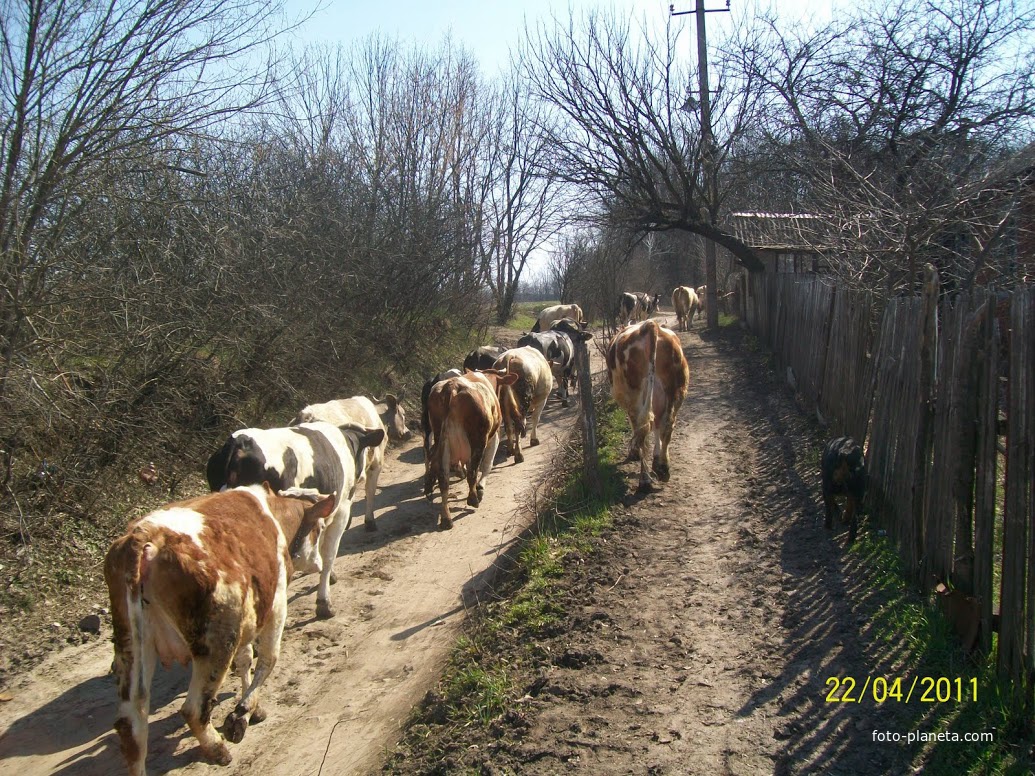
<point x="637" y="306"/>
<point x="522" y="402"/>
<point x="649" y="379"/>
<point x="203" y="580"/>
<point x="359" y="411"/>
<point x="550" y="314"/>
<point x="465" y="419"/>
<point x="686" y="304"/>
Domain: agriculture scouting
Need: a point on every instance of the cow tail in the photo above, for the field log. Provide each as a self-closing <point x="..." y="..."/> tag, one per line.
<point x="443" y="444"/>
<point x="126" y="571"/>
<point x="650" y="327"/>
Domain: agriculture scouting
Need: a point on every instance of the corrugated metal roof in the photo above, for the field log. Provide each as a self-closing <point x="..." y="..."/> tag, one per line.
<point x="778" y="231"/>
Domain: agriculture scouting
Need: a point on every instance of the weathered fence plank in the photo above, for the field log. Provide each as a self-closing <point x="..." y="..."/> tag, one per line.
<point x="987" y="417"/>
<point x="845" y="395"/>
<point x="1012" y="626"/>
<point x="926" y="398"/>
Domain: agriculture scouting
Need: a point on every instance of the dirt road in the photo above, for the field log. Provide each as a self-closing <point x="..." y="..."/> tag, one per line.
<point x="698" y="637"/>
<point x="699" y="634"/>
<point x="342" y="687"/>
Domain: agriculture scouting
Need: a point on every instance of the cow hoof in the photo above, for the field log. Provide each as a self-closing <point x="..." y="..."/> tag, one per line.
<point x="645" y="487"/>
<point x="444" y="524"/>
<point x="473" y="500"/>
<point x="661" y="470"/>
<point x="235" y="726"/>
<point x="518" y="458"/>
<point x="218" y="754"/>
<point x="370" y="525"/>
<point x="323" y="610"/>
<point x="534" y="443"/>
<point x="259" y="715"/>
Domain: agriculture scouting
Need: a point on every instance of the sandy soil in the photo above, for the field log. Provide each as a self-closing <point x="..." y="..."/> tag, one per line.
<point x="698" y="640"/>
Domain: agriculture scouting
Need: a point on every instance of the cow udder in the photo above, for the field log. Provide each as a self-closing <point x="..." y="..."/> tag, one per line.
<point x="459" y="447"/>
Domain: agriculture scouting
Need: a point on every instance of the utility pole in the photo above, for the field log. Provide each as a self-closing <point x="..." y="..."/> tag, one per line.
<point x="708" y="171"/>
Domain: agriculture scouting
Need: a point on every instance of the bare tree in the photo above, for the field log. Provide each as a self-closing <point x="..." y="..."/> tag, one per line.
<point x="523" y="198"/>
<point x="894" y="123"/>
<point x="629" y="135"/>
<point x="89" y="90"/>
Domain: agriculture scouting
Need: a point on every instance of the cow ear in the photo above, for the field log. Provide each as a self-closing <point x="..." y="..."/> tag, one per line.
<point x="391" y="400"/>
<point x="372" y="438"/>
<point x="323" y="508"/>
<point x="268" y="489"/>
<point x="509" y="378"/>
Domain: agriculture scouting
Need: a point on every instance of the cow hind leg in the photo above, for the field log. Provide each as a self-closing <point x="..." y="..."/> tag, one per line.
<point x="373" y="472"/>
<point x="445" y="521"/>
<point x="329" y="551"/>
<point x="431" y="472"/>
<point x="487" y="459"/>
<point x="641" y="444"/>
<point x="475" y="474"/>
<point x="206" y="678"/>
<point x="134" y="671"/>
<point x="248" y="710"/>
<point x="662" y="438"/>
<point x="536" y="413"/>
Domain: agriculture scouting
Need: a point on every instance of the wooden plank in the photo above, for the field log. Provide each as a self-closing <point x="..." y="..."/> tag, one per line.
<point x="985" y="474"/>
<point x="1012" y="628"/>
<point x="976" y="309"/>
<point x="922" y="442"/>
<point x="1025" y="490"/>
<point x="939" y="522"/>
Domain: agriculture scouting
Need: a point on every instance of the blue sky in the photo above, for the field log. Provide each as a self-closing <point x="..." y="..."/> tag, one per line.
<point x="487" y="28"/>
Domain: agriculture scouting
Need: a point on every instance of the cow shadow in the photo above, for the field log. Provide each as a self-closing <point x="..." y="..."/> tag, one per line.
<point x="414" y="455"/>
<point x="86" y="712"/>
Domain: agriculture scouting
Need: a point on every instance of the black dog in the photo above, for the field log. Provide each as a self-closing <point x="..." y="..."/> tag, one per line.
<point x="844" y="474"/>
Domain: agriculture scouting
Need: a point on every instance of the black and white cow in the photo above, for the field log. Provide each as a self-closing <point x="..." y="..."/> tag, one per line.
<point x="361" y="411"/>
<point x="310" y="455"/>
<point x="558" y="347"/>
<point x="637" y="306"/>
<point x="482" y="358"/>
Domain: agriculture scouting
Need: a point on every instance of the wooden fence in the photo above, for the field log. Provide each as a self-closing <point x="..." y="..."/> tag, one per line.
<point x="943" y="393"/>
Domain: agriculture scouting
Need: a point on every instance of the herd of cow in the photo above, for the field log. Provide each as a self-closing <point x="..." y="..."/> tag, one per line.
<point x="205" y="580"/>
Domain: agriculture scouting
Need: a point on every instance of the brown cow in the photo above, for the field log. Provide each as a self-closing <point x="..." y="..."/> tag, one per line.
<point x="465" y="418"/>
<point x="202" y="580"/>
<point x="526" y="397"/>
<point x="686" y="303"/>
<point x="649" y="378"/>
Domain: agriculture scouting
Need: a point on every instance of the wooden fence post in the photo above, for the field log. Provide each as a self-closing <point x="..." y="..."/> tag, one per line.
<point x="928" y="352"/>
<point x="1012" y="626"/>
<point x="588" y="416"/>
<point x="985" y="498"/>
